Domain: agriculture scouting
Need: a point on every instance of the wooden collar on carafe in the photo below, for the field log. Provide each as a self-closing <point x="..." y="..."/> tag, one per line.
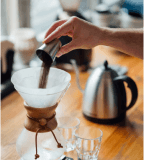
<point x="41" y="120"/>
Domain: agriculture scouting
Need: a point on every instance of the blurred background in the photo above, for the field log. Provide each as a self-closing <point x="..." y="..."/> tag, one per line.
<point x="39" y="15"/>
<point x="25" y="22"/>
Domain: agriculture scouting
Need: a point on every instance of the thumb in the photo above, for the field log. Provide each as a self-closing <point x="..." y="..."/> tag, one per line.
<point x="66" y="48"/>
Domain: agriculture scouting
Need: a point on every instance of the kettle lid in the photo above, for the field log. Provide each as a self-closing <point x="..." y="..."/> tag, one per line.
<point x="106" y="64"/>
<point x="108" y="70"/>
<point x="106" y="67"/>
<point x="104" y="72"/>
<point x="120" y="70"/>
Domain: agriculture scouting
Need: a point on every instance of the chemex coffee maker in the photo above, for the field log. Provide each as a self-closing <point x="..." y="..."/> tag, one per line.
<point x="104" y="97"/>
<point x="40" y="138"/>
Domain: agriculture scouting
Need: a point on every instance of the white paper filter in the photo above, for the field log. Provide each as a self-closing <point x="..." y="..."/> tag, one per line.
<point x="26" y="82"/>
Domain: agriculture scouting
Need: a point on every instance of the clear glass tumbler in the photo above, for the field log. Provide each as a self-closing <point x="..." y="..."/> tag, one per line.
<point x="67" y="126"/>
<point x="88" y="142"/>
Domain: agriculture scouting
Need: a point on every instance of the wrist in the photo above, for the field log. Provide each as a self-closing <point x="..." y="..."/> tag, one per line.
<point x="102" y="39"/>
<point x="105" y="35"/>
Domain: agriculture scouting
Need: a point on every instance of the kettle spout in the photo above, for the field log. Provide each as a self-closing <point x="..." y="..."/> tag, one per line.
<point x="77" y="74"/>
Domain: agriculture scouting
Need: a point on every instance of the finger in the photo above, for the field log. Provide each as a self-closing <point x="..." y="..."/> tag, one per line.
<point x="70" y="34"/>
<point x="66" y="48"/>
<point x="64" y="28"/>
<point x="54" y="26"/>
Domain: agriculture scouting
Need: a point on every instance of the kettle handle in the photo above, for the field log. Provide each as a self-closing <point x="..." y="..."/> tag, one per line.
<point x="132" y="86"/>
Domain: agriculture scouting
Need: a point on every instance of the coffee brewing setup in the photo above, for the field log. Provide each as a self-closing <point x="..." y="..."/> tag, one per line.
<point x="40" y="138"/>
<point x="104" y="102"/>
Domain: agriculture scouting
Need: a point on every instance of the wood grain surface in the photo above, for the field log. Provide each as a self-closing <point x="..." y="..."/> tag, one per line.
<point x="123" y="141"/>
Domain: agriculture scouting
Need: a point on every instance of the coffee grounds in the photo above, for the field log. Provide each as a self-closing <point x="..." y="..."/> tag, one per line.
<point x="43" y="81"/>
<point x="44" y="75"/>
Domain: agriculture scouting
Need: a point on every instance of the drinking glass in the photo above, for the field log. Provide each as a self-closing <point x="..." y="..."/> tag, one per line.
<point x="67" y="126"/>
<point x="88" y="142"/>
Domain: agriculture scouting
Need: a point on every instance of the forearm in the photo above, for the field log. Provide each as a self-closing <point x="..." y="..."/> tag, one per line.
<point x="129" y="41"/>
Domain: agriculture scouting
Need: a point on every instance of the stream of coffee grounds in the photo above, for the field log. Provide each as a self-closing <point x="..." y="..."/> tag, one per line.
<point x="44" y="74"/>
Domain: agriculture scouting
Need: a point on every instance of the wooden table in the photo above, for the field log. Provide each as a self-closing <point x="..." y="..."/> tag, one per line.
<point x="123" y="141"/>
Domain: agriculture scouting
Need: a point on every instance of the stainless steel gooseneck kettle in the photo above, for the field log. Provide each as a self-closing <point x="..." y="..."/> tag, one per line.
<point x="104" y="99"/>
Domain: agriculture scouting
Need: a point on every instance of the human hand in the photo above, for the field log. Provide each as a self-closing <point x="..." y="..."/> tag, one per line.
<point x="84" y="34"/>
